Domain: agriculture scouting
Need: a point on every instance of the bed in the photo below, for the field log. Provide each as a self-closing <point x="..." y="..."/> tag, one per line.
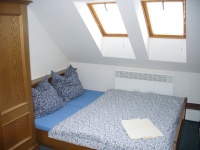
<point x="74" y="107"/>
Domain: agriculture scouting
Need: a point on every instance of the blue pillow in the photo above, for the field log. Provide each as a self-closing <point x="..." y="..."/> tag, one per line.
<point x="44" y="85"/>
<point x="68" y="87"/>
<point x="45" y="99"/>
<point x="72" y="75"/>
<point x="70" y="72"/>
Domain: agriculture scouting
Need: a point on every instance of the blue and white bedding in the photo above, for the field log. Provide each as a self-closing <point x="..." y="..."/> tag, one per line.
<point x="47" y="122"/>
<point x="98" y="125"/>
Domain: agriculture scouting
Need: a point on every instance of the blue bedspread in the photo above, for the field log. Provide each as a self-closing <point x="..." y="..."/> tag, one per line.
<point x="47" y="122"/>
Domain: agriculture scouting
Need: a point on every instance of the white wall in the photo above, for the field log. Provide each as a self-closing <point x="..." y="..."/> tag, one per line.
<point x="170" y="50"/>
<point x="118" y="47"/>
<point x="90" y="23"/>
<point x="45" y="55"/>
<point x="142" y="23"/>
<point x="101" y="78"/>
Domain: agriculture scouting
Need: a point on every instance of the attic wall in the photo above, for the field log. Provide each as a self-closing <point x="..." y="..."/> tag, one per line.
<point x="45" y="55"/>
<point x="66" y="27"/>
<point x="101" y="78"/>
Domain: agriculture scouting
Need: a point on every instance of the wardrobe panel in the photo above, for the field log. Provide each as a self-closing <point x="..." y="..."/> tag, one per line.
<point x="16" y="127"/>
<point x="12" y="60"/>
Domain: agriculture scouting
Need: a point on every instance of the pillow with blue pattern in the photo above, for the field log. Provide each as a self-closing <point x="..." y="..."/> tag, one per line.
<point x="45" y="99"/>
<point x="70" y="72"/>
<point x="67" y="86"/>
<point x="44" y="85"/>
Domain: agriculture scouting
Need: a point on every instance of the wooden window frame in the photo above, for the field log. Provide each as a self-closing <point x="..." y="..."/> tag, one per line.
<point x="98" y="22"/>
<point x="148" y="22"/>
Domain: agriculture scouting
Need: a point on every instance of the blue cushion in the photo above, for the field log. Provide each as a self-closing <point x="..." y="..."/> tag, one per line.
<point x="49" y="121"/>
<point x="68" y="86"/>
<point x="45" y="99"/>
<point x="88" y="97"/>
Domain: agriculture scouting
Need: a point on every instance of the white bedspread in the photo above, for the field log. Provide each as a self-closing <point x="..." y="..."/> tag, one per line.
<point x="98" y="126"/>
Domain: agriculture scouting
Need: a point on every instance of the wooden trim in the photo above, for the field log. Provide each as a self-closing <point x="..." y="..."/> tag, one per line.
<point x="36" y="81"/>
<point x="148" y="22"/>
<point x="96" y="18"/>
<point x="17" y="1"/>
<point x="180" y="123"/>
<point x="98" y="22"/>
<point x="2" y="145"/>
<point x="169" y="36"/>
<point x="34" y="147"/>
<point x="184" y="11"/>
<point x="193" y="106"/>
<point x="162" y="0"/>
<point x="43" y="139"/>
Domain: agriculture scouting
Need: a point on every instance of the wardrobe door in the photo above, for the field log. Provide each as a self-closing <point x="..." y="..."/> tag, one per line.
<point x="16" y="118"/>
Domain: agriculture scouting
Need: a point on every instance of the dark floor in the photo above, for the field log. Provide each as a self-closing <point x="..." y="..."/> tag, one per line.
<point x="44" y="148"/>
<point x="189" y="139"/>
<point x="190" y="136"/>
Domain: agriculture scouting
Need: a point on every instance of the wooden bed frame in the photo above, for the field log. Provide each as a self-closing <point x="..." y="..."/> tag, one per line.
<point x="43" y="139"/>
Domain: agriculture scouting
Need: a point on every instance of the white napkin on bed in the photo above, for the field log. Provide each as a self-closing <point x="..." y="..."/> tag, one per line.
<point x="140" y="128"/>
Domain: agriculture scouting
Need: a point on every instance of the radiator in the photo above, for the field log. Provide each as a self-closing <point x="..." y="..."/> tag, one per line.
<point x="144" y="82"/>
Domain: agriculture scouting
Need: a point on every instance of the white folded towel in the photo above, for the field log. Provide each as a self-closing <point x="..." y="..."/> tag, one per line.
<point x="140" y="128"/>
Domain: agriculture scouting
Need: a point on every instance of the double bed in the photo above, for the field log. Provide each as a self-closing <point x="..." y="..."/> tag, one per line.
<point x="93" y="121"/>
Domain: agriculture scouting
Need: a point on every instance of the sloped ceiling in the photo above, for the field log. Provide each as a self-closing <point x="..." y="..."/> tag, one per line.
<point x="65" y="25"/>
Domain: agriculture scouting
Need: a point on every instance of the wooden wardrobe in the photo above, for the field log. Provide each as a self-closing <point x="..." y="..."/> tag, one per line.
<point x="17" y="131"/>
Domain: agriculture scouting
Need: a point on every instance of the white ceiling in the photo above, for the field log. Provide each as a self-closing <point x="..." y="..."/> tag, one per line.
<point x="66" y="27"/>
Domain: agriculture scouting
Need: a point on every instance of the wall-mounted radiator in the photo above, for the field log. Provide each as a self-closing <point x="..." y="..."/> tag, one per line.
<point x="144" y="82"/>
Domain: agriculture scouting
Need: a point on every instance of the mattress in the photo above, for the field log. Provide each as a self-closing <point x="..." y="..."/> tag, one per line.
<point x="47" y="122"/>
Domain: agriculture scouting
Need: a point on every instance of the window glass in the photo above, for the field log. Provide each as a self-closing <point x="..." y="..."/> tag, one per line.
<point x="108" y="18"/>
<point x="165" y="17"/>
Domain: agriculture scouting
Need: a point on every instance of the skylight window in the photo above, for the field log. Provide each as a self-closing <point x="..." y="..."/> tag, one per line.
<point x="108" y="19"/>
<point x="165" y="19"/>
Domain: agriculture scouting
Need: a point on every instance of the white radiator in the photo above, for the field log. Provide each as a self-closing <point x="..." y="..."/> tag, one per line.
<point x="144" y="82"/>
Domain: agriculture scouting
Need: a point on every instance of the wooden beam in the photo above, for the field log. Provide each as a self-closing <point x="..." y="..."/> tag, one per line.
<point x="193" y="106"/>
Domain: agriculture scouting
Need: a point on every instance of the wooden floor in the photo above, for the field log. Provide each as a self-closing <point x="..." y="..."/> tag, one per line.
<point x="189" y="137"/>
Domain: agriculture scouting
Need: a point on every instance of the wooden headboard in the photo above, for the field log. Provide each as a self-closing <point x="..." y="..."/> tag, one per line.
<point x="36" y="81"/>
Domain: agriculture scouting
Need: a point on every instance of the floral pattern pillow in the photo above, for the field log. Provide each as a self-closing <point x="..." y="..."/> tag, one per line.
<point x="45" y="99"/>
<point x="67" y="86"/>
<point x="70" y="72"/>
